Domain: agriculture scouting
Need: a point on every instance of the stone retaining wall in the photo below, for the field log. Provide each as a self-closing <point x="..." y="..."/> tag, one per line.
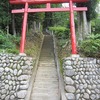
<point x="15" y="73"/>
<point x="82" y="78"/>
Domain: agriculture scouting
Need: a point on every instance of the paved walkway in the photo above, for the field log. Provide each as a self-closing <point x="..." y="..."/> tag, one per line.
<point x="46" y="82"/>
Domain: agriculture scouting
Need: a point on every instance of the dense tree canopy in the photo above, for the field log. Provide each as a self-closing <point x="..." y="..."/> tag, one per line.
<point x="5" y="16"/>
<point x="91" y="4"/>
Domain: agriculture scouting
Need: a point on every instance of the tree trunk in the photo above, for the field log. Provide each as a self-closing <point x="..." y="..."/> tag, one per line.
<point x="13" y="25"/>
<point x="39" y="26"/>
<point x="7" y="30"/>
<point x="85" y="26"/>
<point x="34" y="23"/>
<point x="89" y="27"/>
<point x="79" y="30"/>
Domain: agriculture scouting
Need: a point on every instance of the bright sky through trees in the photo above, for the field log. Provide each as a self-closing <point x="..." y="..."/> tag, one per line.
<point x="66" y="5"/>
<point x="98" y="8"/>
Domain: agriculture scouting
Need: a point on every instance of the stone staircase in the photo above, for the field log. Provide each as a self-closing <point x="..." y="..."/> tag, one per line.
<point x="46" y="85"/>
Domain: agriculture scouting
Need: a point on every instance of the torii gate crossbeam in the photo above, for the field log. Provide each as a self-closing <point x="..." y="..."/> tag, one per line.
<point x="48" y="8"/>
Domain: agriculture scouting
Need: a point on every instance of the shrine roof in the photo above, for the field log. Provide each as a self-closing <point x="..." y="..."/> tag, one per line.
<point x="43" y="1"/>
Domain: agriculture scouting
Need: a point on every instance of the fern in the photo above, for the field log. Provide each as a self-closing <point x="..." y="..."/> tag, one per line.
<point x="91" y="46"/>
<point x="93" y="36"/>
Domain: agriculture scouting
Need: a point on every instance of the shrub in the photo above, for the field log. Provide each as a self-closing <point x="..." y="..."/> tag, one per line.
<point x="2" y="39"/>
<point x="60" y="32"/>
<point x="14" y="39"/>
<point x="62" y="42"/>
<point x="14" y="51"/>
<point x="8" y="42"/>
<point x="96" y="25"/>
<point x="91" y="46"/>
<point x="93" y="36"/>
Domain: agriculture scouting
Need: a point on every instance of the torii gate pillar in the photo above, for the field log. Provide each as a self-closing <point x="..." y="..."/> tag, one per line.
<point x="72" y="28"/>
<point x="23" y="38"/>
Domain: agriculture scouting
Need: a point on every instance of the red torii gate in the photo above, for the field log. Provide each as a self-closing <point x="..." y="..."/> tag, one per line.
<point x="48" y="8"/>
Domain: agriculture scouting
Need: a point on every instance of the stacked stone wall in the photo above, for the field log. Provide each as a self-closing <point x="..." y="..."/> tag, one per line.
<point x="15" y="73"/>
<point x="82" y="78"/>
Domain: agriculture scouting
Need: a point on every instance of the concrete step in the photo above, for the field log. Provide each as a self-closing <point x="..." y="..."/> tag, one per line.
<point x="44" y="90"/>
<point x="47" y="63"/>
<point x="47" y="68"/>
<point x="45" y="79"/>
<point x="44" y="94"/>
<point x="44" y="97"/>
<point x="47" y="74"/>
<point x="46" y="82"/>
<point x="47" y="60"/>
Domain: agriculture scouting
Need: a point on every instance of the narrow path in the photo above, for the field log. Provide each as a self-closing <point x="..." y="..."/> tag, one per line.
<point x="46" y="82"/>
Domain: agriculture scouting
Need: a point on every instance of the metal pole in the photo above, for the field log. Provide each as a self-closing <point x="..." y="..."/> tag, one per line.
<point x="72" y="28"/>
<point x="23" y="38"/>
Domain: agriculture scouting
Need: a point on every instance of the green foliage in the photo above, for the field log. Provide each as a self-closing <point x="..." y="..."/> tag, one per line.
<point x="58" y="29"/>
<point x="60" y="32"/>
<point x="93" y="36"/>
<point x="95" y="25"/>
<point x="5" y="16"/>
<point x="62" y="42"/>
<point x="56" y="18"/>
<point x="14" y="39"/>
<point x="2" y="37"/>
<point x="91" y="46"/>
<point x="13" y="50"/>
<point x="91" y="13"/>
<point x="91" y="5"/>
<point x="61" y="18"/>
<point x="30" y="51"/>
<point x="8" y="43"/>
